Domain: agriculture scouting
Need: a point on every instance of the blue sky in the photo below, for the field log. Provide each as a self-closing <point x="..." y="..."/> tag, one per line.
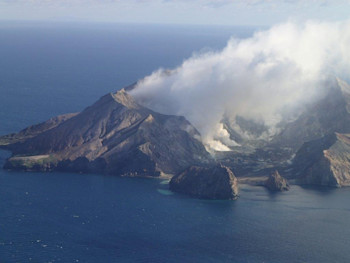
<point x="224" y="12"/>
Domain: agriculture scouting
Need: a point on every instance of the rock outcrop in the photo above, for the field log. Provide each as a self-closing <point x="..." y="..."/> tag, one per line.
<point x="276" y="182"/>
<point x="258" y="155"/>
<point x="215" y="182"/>
<point x="325" y="116"/>
<point x="324" y="161"/>
<point x="113" y="136"/>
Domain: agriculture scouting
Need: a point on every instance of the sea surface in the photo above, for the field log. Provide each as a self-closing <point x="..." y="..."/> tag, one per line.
<point x="48" y="69"/>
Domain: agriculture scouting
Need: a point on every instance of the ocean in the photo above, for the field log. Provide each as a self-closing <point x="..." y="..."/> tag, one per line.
<point x="48" y="69"/>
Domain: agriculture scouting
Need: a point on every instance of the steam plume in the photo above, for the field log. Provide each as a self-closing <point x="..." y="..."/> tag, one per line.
<point x="256" y="78"/>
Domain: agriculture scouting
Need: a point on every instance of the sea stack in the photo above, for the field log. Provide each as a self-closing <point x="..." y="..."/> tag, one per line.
<point x="276" y="182"/>
<point x="215" y="182"/>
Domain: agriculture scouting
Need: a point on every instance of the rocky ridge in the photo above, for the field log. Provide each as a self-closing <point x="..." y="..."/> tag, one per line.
<point x="113" y="136"/>
<point x="324" y="161"/>
<point x="328" y="114"/>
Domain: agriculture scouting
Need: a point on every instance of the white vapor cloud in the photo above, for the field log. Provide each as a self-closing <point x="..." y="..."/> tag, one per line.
<point x="255" y="78"/>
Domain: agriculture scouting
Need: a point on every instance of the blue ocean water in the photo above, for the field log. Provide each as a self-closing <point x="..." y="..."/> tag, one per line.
<point x="49" y="69"/>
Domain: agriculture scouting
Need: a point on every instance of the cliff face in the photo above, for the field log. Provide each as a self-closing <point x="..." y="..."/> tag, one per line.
<point x="215" y="182"/>
<point x="327" y="115"/>
<point x="325" y="161"/>
<point x="113" y="136"/>
<point x="276" y="182"/>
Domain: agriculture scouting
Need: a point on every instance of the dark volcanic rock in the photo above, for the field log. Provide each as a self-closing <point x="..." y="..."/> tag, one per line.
<point x="114" y="136"/>
<point x="324" y="161"/>
<point x="216" y="182"/>
<point x="276" y="182"/>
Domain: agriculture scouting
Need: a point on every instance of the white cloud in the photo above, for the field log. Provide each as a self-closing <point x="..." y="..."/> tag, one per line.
<point x="256" y="78"/>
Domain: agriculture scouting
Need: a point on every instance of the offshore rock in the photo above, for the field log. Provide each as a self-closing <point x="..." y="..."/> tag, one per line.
<point x="215" y="182"/>
<point x="276" y="182"/>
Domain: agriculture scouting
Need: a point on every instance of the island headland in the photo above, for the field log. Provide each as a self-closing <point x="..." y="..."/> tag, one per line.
<point x="118" y="136"/>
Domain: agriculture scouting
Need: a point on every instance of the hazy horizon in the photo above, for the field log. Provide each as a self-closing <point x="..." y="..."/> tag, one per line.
<point x="205" y="12"/>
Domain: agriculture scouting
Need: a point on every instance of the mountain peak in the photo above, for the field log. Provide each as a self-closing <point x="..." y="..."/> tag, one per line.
<point x="122" y="97"/>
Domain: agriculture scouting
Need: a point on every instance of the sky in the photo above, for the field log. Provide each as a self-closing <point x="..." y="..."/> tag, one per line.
<point x="212" y="12"/>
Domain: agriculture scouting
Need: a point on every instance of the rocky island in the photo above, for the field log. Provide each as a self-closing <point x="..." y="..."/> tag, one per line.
<point x="276" y="182"/>
<point x="216" y="182"/>
<point x="118" y="136"/>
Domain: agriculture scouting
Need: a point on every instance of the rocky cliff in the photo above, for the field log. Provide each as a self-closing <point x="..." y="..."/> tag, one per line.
<point x="329" y="114"/>
<point x="215" y="182"/>
<point x="275" y="182"/>
<point x="114" y="136"/>
<point x="324" y="161"/>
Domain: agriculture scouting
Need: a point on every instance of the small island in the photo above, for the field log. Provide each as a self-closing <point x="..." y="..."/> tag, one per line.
<point x="276" y="183"/>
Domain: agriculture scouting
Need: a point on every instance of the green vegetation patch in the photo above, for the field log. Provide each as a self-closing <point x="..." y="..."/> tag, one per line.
<point x="37" y="162"/>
